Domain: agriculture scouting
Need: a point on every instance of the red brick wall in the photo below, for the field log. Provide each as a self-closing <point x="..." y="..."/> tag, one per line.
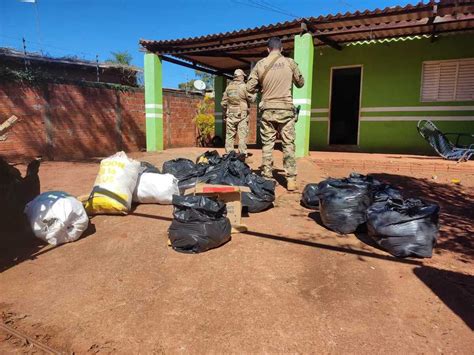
<point x="179" y="110"/>
<point x="64" y="121"/>
<point x="27" y="137"/>
<point x="60" y="121"/>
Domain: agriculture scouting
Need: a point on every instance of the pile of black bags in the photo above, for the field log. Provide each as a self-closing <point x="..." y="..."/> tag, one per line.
<point x="16" y="191"/>
<point x="229" y="169"/>
<point x="199" y="224"/>
<point x="402" y="227"/>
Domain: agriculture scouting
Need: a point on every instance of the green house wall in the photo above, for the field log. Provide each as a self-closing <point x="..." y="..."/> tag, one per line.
<point x="391" y="80"/>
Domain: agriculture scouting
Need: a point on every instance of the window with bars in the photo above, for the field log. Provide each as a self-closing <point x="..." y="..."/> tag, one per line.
<point x="448" y="80"/>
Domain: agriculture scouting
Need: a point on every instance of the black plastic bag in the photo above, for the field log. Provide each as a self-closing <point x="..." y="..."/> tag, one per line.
<point x="232" y="170"/>
<point x="363" y="179"/>
<point x="185" y="171"/>
<point x="229" y="170"/>
<point x="198" y="208"/>
<point x="343" y="204"/>
<point x="378" y="190"/>
<point x="262" y="193"/>
<point x="181" y="168"/>
<point x="386" y="192"/>
<point x="199" y="224"/>
<point x="404" y="228"/>
<point x="199" y="237"/>
<point x="146" y="167"/>
<point x="310" y="198"/>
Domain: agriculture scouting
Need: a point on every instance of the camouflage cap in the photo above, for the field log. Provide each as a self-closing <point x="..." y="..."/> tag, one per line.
<point x="239" y="72"/>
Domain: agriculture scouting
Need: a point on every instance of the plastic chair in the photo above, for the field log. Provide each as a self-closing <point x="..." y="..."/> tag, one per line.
<point x="442" y="145"/>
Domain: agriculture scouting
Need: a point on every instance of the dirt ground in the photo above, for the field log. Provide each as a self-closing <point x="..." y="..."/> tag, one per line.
<point x="287" y="285"/>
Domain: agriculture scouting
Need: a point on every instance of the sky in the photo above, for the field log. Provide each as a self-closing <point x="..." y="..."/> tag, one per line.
<point x="86" y="28"/>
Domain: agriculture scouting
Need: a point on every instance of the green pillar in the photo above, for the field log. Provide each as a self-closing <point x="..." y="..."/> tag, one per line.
<point x="219" y="87"/>
<point x="153" y="103"/>
<point x="303" y="55"/>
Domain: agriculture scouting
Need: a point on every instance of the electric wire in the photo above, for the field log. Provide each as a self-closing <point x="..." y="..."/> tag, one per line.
<point x="263" y="5"/>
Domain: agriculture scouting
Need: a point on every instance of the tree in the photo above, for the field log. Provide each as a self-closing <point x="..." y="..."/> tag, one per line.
<point x="198" y="75"/>
<point x="188" y="85"/>
<point x="207" y="78"/>
<point x="122" y="58"/>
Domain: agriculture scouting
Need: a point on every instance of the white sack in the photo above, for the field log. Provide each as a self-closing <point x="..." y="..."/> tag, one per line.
<point x="156" y="188"/>
<point x="114" y="185"/>
<point x="57" y="217"/>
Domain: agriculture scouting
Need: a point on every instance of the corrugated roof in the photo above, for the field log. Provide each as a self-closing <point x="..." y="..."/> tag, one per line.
<point x="224" y="52"/>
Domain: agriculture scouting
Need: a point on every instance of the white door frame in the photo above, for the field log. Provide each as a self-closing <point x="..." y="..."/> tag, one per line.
<point x="361" y="66"/>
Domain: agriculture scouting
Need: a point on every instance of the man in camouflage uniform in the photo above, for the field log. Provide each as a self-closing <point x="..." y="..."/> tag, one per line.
<point x="236" y="102"/>
<point x="274" y="76"/>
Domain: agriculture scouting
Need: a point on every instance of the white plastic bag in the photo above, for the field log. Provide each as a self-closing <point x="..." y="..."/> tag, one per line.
<point x="156" y="188"/>
<point x="57" y="217"/>
<point x="114" y="185"/>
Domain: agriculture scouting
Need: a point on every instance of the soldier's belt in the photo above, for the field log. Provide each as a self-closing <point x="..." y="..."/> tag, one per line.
<point x="234" y="109"/>
<point x="277" y="106"/>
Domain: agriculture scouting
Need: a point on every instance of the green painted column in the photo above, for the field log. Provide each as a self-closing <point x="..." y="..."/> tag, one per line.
<point x="219" y="88"/>
<point x="153" y="103"/>
<point x="303" y="55"/>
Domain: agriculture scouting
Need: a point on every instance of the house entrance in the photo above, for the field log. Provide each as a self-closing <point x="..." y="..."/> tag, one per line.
<point x="345" y="105"/>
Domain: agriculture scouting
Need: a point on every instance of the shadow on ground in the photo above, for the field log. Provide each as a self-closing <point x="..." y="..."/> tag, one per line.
<point x="340" y="249"/>
<point x="20" y="244"/>
<point x="456" y="290"/>
<point x="306" y="243"/>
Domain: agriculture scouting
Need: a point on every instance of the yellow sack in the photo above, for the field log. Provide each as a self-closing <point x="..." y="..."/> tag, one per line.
<point x="114" y="185"/>
<point x="208" y="157"/>
<point x="202" y="159"/>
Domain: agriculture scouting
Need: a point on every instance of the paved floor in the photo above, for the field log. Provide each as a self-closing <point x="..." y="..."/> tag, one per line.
<point x="287" y="285"/>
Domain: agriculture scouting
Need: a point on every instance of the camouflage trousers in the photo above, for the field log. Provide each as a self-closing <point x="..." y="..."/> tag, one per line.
<point x="282" y="121"/>
<point x="236" y="124"/>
